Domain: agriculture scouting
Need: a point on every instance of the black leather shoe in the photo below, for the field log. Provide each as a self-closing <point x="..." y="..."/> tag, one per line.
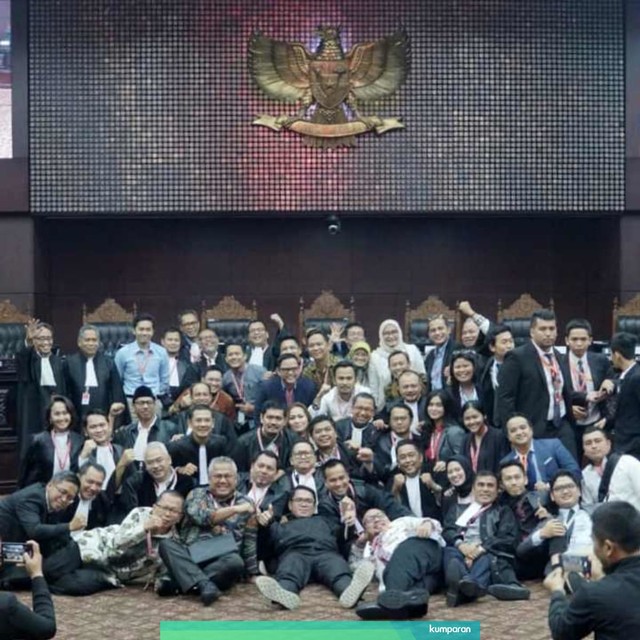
<point x="471" y="589"/>
<point x="414" y="602"/>
<point x="509" y="592"/>
<point x="209" y="593"/>
<point x="166" y="588"/>
<point x="373" y="611"/>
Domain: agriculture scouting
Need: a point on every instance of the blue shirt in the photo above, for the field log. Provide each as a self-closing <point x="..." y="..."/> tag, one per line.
<point x="138" y="367"/>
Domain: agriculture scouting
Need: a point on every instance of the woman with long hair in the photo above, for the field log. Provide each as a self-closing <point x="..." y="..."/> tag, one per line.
<point x="460" y="477"/>
<point x="56" y="449"/>
<point x="298" y="420"/>
<point x="483" y="444"/>
<point x="464" y="374"/>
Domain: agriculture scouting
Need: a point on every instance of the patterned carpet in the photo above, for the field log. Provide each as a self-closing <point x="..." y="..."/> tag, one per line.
<point x="134" y="614"/>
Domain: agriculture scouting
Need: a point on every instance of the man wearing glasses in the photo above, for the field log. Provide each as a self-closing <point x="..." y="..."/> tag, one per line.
<point x="35" y="513"/>
<point x="307" y="550"/>
<point x="39" y="377"/>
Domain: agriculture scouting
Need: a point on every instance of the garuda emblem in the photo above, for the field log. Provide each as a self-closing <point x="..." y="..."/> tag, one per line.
<point x="329" y="84"/>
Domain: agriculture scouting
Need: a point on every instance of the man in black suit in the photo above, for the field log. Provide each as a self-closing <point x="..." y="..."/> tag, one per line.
<point x="531" y="382"/>
<point x="605" y="605"/>
<point x="16" y="619"/>
<point x="189" y="323"/>
<point x="589" y="377"/>
<point x="258" y="350"/>
<point x="438" y="360"/>
<point x="179" y="365"/>
<point x="500" y="342"/>
<point x="91" y="378"/>
<point x="209" y="355"/>
<point x="39" y="377"/>
<point x="36" y="513"/>
<point x="91" y="502"/>
<point x="627" y="416"/>
<point x="287" y="386"/>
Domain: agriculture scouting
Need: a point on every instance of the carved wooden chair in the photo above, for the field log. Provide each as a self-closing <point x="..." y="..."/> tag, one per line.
<point x="324" y="310"/>
<point x="113" y="322"/>
<point x="626" y="317"/>
<point x="416" y="320"/>
<point x="517" y="316"/>
<point x="12" y="331"/>
<point x="229" y="319"/>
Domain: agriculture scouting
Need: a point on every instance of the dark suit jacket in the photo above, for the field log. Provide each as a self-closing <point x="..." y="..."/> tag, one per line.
<point x="37" y="465"/>
<point x="493" y="447"/>
<point x="187" y="450"/>
<point x="344" y="428"/>
<point x="272" y="389"/>
<point x="551" y="456"/>
<point x="117" y="454"/>
<point x="32" y="399"/>
<point x="488" y="394"/>
<point x="382" y="453"/>
<point x="248" y="447"/>
<point x="627" y="418"/>
<point x="222" y="426"/>
<point x="24" y="516"/>
<point x="196" y="370"/>
<point x="18" y="621"/>
<point x="108" y="391"/>
<point x="428" y="502"/>
<point x="601" y="370"/>
<point x="450" y="347"/>
<point x="98" y="513"/>
<point x="523" y="388"/>
<point x="161" y="431"/>
<point x="138" y="490"/>
<point x="608" y="606"/>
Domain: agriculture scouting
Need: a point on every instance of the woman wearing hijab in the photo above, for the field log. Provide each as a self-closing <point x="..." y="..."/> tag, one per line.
<point x="390" y="335"/>
<point x="458" y="495"/>
<point x="366" y="375"/>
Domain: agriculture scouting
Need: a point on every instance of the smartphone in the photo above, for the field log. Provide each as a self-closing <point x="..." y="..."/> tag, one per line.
<point x="13" y="552"/>
<point x="572" y="563"/>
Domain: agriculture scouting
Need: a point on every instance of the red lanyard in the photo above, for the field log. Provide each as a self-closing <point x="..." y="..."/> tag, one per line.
<point x="474" y="451"/>
<point x="239" y="384"/>
<point x="434" y="443"/>
<point x="63" y="462"/>
<point x="142" y="365"/>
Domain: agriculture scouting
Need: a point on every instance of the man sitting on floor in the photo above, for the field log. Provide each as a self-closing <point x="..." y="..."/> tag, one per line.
<point x="307" y="550"/>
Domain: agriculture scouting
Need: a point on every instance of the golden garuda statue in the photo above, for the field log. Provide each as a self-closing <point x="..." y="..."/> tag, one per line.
<point x="323" y="82"/>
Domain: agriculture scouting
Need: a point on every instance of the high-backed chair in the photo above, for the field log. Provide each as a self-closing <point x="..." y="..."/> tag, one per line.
<point x="324" y="310"/>
<point x="114" y="323"/>
<point x="517" y="316"/>
<point x="12" y="331"/>
<point x="416" y="320"/>
<point x="626" y="317"/>
<point x="229" y="319"/>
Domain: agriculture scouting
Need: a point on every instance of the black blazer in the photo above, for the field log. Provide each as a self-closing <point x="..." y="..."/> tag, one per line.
<point x="488" y="394"/>
<point x="187" y="450"/>
<point x="161" y="431"/>
<point x="222" y="426"/>
<point x="382" y="453"/>
<point x="344" y="429"/>
<point x="108" y="391"/>
<point x="304" y="391"/>
<point x="450" y="347"/>
<point x="493" y="447"/>
<point x="523" y="388"/>
<point x="248" y="447"/>
<point x="24" y="516"/>
<point x="98" y="513"/>
<point x="428" y="502"/>
<point x="138" y="490"/>
<point x="32" y="399"/>
<point x="37" y="465"/>
<point x="18" y="621"/>
<point x="608" y="606"/>
<point x="601" y="370"/>
<point x="195" y="371"/>
<point x="627" y="417"/>
<point x="117" y="454"/>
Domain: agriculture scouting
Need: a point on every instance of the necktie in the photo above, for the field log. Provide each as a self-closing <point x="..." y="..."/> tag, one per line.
<point x="569" y="522"/>
<point x="530" y="470"/>
<point x="288" y="395"/>
<point x="556" y="383"/>
<point x="582" y="382"/>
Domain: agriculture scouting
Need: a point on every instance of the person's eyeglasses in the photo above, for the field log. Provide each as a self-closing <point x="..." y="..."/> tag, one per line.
<point x="303" y="454"/>
<point x="559" y="488"/>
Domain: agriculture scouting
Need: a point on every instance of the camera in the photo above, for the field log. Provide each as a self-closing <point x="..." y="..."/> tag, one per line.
<point x="573" y="563"/>
<point x="13" y="552"/>
<point x="333" y="225"/>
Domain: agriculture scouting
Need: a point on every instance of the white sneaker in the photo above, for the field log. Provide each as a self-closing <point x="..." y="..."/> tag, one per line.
<point x="361" y="578"/>
<point x="271" y="590"/>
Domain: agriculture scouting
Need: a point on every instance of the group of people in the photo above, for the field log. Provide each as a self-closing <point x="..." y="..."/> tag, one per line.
<point x="191" y="467"/>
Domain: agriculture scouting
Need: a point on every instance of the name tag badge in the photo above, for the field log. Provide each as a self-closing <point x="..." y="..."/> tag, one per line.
<point x="86" y="396"/>
<point x="241" y="417"/>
